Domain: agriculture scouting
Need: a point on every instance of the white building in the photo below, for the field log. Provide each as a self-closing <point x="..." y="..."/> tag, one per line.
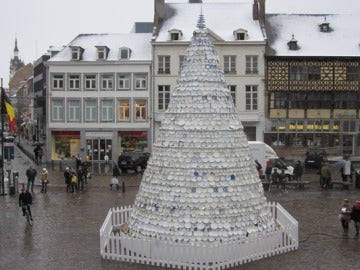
<point x="98" y="97"/>
<point x="236" y="30"/>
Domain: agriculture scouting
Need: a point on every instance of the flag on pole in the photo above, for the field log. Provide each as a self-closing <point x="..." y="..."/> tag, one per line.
<point x="8" y="109"/>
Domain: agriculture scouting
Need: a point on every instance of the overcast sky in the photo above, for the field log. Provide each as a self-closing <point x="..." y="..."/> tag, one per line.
<point x="37" y="24"/>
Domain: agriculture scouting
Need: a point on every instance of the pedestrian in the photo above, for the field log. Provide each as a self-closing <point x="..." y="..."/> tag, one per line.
<point x="25" y="200"/>
<point x="78" y="161"/>
<point x="36" y="153"/>
<point x="31" y="175"/>
<point x="44" y="180"/>
<point x="345" y="215"/>
<point x="73" y="182"/>
<point x="268" y="170"/>
<point x="40" y="153"/>
<point x="80" y="178"/>
<point x="298" y="171"/>
<point x="67" y="177"/>
<point x="355" y="216"/>
<point x="114" y="182"/>
<point x="258" y="168"/>
<point x="325" y="174"/>
<point x="347" y="170"/>
<point x="116" y="170"/>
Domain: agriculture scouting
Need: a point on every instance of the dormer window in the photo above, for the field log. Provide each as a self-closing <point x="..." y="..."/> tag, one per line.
<point x="293" y="44"/>
<point x="102" y="52"/>
<point x="76" y="52"/>
<point x="175" y="34"/>
<point x="325" y="26"/>
<point x="240" y="34"/>
<point x="125" y="53"/>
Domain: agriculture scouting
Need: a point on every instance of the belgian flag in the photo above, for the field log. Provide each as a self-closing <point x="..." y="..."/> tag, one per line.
<point x="8" y="109"/>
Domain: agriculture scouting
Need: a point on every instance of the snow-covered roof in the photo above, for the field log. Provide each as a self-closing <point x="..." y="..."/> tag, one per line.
<point x="221" y="18"/>
<point x="343" y="39"/>
<point x="139" y="43"/>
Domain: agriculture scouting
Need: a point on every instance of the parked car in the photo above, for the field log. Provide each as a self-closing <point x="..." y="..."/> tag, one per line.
<point x="135" y="161"/>
<point x="314" y="158"/>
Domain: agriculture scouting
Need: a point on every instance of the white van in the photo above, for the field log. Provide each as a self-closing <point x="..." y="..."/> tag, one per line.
<point x="263" y="152"/>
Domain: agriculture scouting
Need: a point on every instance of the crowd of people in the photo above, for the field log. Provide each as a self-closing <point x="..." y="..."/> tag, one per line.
<point x="348" y="214"/>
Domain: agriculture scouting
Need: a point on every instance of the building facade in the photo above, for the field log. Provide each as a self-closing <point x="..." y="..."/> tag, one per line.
<point x="236" y="30"/>
<point x="98" y="97"/>
<point x="313" y="82"/>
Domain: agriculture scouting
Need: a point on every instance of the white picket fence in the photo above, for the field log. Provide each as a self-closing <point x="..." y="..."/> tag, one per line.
<point x="121" y="247"/>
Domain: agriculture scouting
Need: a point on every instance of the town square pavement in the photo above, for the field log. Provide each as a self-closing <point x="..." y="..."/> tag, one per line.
<point x="65" y="233"/>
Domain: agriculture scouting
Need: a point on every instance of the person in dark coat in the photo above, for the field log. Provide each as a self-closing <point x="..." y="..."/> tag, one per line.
<point x="298" y="171"/>
<point x="355" y="216"/>
<point x="31" y="174"/>
<point x="67" y="177"/>
<point x="25" y="200"/>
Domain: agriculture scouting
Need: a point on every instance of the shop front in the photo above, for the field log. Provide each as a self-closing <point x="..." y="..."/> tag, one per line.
<point x="133" y="141"/>
<point x="64" y="144"/>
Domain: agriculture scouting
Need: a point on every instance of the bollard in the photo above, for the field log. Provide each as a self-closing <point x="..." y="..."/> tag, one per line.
<point x="123" y="186"/>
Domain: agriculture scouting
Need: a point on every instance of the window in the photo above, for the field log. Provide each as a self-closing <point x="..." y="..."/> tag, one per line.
<point x="181" y="61"/>
<point x="163" y="97"/>
<point x="278" y="100"/>
<point x="251" y="64"/>
<point x="251" y="97"/>
<point x="76" y="52"/>
<point x="124" y="81"/>
<point x="304" y="73"/>
<point x="240" y="34"/>
<point x="352" y="73"/>
<point x="90" y="110"/>
<point x="102" y="52"/>
<point x="345" y="100"/>
<point x="175" y="34"/>
<point x="74" y="110"/>
<point x="229" y="64"/>
<point x="125" y="53"/>
<point x="107" y="112"/>
<point x="296" y="100"/>
<point x="232" y="89"/>
<point x="124" y="110"/>
<point x="140" y="110"/>
<point x="140" y="82"/>
<point x="164" y="64"/>
<point x="107" y="81"/>
<point x="57" y="110"/>
<point x="90" y="82"/>
<point x="58" y="81"/>
<point x="74" y="82"/>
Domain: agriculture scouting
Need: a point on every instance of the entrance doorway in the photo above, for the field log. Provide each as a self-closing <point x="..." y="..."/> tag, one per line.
<point x="97" y="149"/>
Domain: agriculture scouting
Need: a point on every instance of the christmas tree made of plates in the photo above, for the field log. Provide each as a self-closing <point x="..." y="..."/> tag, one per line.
<point x="200" y="185"/>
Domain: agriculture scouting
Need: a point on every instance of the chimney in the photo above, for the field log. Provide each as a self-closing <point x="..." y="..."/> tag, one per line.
<point x="255" y="11"/>
<point x="259" y="11"/>
<point x="293" y="44"/>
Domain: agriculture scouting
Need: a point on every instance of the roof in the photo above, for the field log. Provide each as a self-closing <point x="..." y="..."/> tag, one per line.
<point x="221" y="18"/>
<point x="342" y="40"/>
<point x="139" y="43"/>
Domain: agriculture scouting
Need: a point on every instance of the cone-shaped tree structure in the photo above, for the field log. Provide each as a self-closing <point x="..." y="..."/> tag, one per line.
<point x="200" y="184"/>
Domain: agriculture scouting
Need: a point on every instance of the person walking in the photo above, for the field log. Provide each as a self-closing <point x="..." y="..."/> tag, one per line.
<point x="31" y="175"/>
<point x="345" y="215"/>
<point x="258" y="167"/>
<point x="298" y="171"/>
<point x="25" y="200"/>
<point x="44" y="180"/>
<point x="347" y="170"/>
<point x="80" y="178"/>
<point x="67" y="177"/>
<point x="268" y="170"/>
<point x="355" y="216"/>
<point x="73" y="181"/>
<point x="325" y="174"/>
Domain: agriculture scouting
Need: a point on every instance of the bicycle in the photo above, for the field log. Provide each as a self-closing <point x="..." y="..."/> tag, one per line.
<point x="27" y="214"/>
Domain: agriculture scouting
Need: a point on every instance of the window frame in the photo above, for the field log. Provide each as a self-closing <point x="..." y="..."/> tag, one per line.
<point x="164" y="64"/>
<point x="164" y="95"/>
<point x="90" y="112"/>
<point x="58" y="81"/>
<point x="251" y="98"/>
<point x="106" y="110"/>
<point x="142" y="80"/>
<point x="126" y="79"/>
<point x="229" y="64"/>
<point x="92" y="81"/>
<point x="124" y="110"/>
<point x="72" y="81"/>
<point x="251" y="64"/>
<point x="57" y="111"/>
<point x="139" y="114"/>
<point x="232" y="89"/>
<point x="107" y="78"/>
<point x="73" y="112"/>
